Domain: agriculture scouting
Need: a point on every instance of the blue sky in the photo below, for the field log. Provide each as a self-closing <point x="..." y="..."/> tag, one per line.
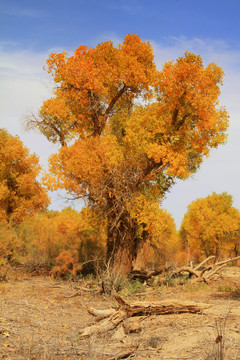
<point x="30" y="30"/>
<point x="40" y="25"/>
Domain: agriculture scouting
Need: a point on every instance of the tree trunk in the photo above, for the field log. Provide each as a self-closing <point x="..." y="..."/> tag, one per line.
<point x="123" y="242"/>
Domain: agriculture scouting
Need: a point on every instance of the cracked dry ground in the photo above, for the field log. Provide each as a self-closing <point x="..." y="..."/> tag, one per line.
<point x="40" y="319"/>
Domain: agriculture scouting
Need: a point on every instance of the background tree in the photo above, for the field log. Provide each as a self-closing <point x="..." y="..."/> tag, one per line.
<point x="128" y="131"/>
<point x="20" y="192"/>
<point x="211" y="226"/>
<point x="55" y="241"/>
<point x="62" y="241"/>
<point x="162" y="242"/>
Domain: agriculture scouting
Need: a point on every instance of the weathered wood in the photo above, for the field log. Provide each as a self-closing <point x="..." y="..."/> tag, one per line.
<point x="206" y="273"/>
<point x="108" y="324"/>
<point x="204" y="262"/>
<point x="215" y="270"/>
<point x="103" y="313"/>
<point x="186" y="269"/>
<point x="159" y="307"/>
<point x="114" y="318"/>
<point x="227" y="261"/>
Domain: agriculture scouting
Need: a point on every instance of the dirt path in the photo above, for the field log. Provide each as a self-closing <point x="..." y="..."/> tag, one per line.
<point x="40" y="319"/>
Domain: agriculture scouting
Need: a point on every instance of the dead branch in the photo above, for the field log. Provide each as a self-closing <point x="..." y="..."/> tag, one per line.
<point x="215" y="270"/>
<point x="105" y="313"/>
<point x="207" y="272"/>
<point x="227" y="261"/>
<point x="108" y="324"/>
<point x="186" y="269"/>
<point x="159" y="307"/>
<point x="204" y="262"/>
<point x="113" y="318"/>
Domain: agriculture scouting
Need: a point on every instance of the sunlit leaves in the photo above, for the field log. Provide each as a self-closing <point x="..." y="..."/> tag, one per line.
<point x="20" y="193"/>
<point x="62" y="239"/>
<point x="94" y="98"/>
<point x="211" y="225"/>
<point x="128" y="130"/>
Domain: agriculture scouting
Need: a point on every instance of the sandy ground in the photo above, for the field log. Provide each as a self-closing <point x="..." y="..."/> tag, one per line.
<point x="40" y="318"/>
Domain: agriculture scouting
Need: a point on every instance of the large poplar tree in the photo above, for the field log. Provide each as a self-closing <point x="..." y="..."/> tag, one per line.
<point x="127" y="131"/>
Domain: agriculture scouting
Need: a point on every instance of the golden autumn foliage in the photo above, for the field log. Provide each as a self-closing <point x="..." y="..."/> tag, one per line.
<point x="128" y="130"/>
<point x="10" y="246"/>
<point x="55" y="241"/>
<point x="162" y="244"/>
<point x="211" y="226"/>
<point x="21" y="194"/>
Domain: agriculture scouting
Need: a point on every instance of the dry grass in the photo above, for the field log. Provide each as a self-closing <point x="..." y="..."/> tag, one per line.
<point x="40" y="319"/>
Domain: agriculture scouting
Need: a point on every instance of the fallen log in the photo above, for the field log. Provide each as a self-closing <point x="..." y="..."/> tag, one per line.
<point x="206" y="273"/>
<point x="114" y="317"/>
<point x="159" y="307"/>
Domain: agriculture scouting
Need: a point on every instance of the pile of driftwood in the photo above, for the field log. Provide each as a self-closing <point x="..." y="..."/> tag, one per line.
<point x="202" y="272"/>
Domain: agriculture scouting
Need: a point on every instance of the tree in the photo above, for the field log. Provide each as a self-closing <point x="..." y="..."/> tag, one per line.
<point x="162" y="242"/>
<point x="211" y="225"/>
<point x="127" y="131"/>
<point x="20" y="193"/>
<point x="63" y="240"/>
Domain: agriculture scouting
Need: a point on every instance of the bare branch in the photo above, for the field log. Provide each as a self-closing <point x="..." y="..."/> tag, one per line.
<point x="204" y="262"/>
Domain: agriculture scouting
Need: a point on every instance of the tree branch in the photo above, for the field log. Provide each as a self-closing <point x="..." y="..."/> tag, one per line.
<point x="113" y="102"/>
<point x="150" y="166"/>
<point x="33" y="123"/>
<point x="180" y="123"/>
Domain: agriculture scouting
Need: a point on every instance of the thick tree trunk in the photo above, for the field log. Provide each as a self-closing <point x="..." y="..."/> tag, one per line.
<point x="123" y="242"/>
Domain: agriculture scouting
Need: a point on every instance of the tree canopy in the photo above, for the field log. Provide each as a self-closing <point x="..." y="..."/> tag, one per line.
<point x="20" y="192"/>
<point x="212" y="225"/>
<point x="128" y="130"/>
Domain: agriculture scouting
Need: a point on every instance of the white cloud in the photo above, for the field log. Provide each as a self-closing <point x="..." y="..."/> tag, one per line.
<point x="20" y="11"/>
<point x="24" y="85"/>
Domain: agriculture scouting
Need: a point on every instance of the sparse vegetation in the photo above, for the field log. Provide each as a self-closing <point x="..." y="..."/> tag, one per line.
<point x="232" y="290"/>
<point x="217" y="347"/>
<point x="41" y="319"/>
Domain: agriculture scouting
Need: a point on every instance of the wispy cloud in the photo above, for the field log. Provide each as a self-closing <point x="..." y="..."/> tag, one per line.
<point x="209" y="49"/>
<point x="21" y="12"/>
